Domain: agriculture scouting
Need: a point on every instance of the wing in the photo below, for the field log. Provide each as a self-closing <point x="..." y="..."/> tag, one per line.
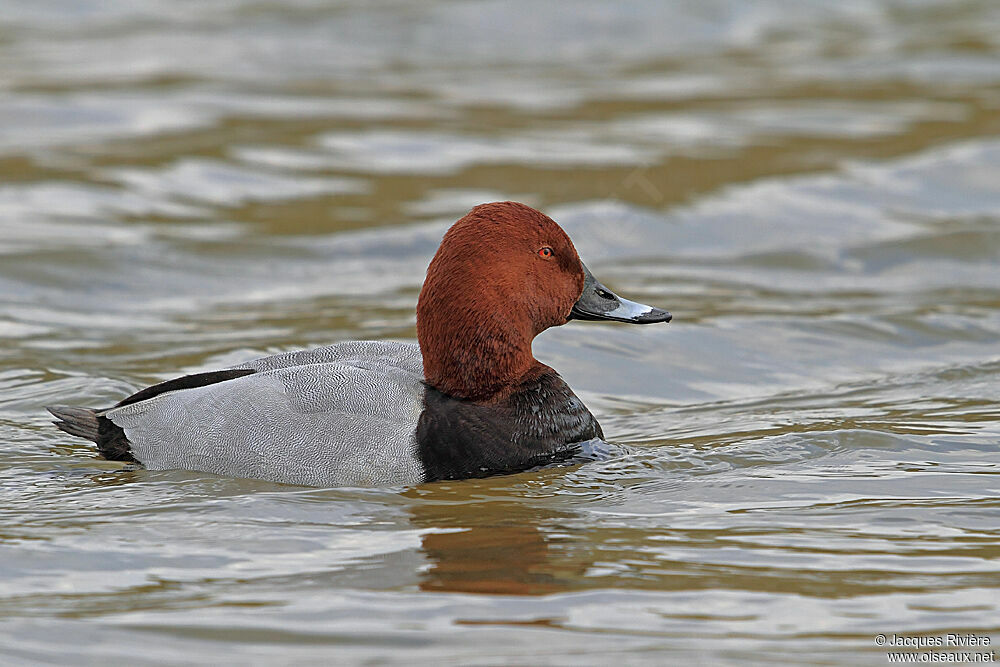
<point x="343" y="415"/>
<point x="356" y="352"/>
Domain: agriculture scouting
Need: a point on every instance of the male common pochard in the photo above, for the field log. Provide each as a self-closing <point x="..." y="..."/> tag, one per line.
<point x="470" y="401"/>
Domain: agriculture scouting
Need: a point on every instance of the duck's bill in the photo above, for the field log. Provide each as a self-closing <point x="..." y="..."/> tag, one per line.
<point x="599" y="303"/>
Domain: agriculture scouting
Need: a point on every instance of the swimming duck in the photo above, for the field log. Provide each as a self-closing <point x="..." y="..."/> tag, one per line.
<point x="470" y="401"/>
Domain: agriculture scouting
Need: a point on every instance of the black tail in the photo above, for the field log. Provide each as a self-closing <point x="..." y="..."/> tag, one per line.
<point x="88" y="423"/>
<point x="81" y="422"/>
<point x="110" y="438"/>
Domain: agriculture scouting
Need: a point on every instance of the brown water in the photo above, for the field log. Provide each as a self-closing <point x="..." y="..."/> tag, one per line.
<point x="812" y="188"/>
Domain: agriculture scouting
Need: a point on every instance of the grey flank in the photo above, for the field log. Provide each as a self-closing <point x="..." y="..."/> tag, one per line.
<point x="342" y="415"/>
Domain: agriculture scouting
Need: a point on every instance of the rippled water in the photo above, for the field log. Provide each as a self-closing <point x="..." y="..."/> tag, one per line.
<point x="812" y="188"/>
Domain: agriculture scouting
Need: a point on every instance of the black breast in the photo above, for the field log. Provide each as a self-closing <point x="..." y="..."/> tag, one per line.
<point x="539" y="424"/>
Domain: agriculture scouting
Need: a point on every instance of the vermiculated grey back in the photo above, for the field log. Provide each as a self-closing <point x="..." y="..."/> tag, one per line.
<point x="342" y="415"/>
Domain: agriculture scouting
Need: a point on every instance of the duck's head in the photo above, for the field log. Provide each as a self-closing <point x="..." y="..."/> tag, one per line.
<point x="503" y="274"/>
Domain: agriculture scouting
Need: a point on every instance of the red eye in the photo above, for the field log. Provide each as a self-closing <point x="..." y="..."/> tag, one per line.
<point x="545" y="252"/>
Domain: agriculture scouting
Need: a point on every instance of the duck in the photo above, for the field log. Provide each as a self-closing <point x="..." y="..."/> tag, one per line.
<point x="469" y="400"/>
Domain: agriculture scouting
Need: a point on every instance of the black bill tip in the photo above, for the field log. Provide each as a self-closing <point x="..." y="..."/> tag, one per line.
<point x="653" y="316"/>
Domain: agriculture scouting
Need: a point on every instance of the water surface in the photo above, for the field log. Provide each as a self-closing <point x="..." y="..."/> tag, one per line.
<point x="812" y="188"/>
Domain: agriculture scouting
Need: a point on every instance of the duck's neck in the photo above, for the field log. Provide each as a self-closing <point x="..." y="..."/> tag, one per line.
<point x="483" y="362"/>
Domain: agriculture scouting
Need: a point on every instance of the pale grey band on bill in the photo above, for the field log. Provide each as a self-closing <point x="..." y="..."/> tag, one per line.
<point x="630" y="309"/>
